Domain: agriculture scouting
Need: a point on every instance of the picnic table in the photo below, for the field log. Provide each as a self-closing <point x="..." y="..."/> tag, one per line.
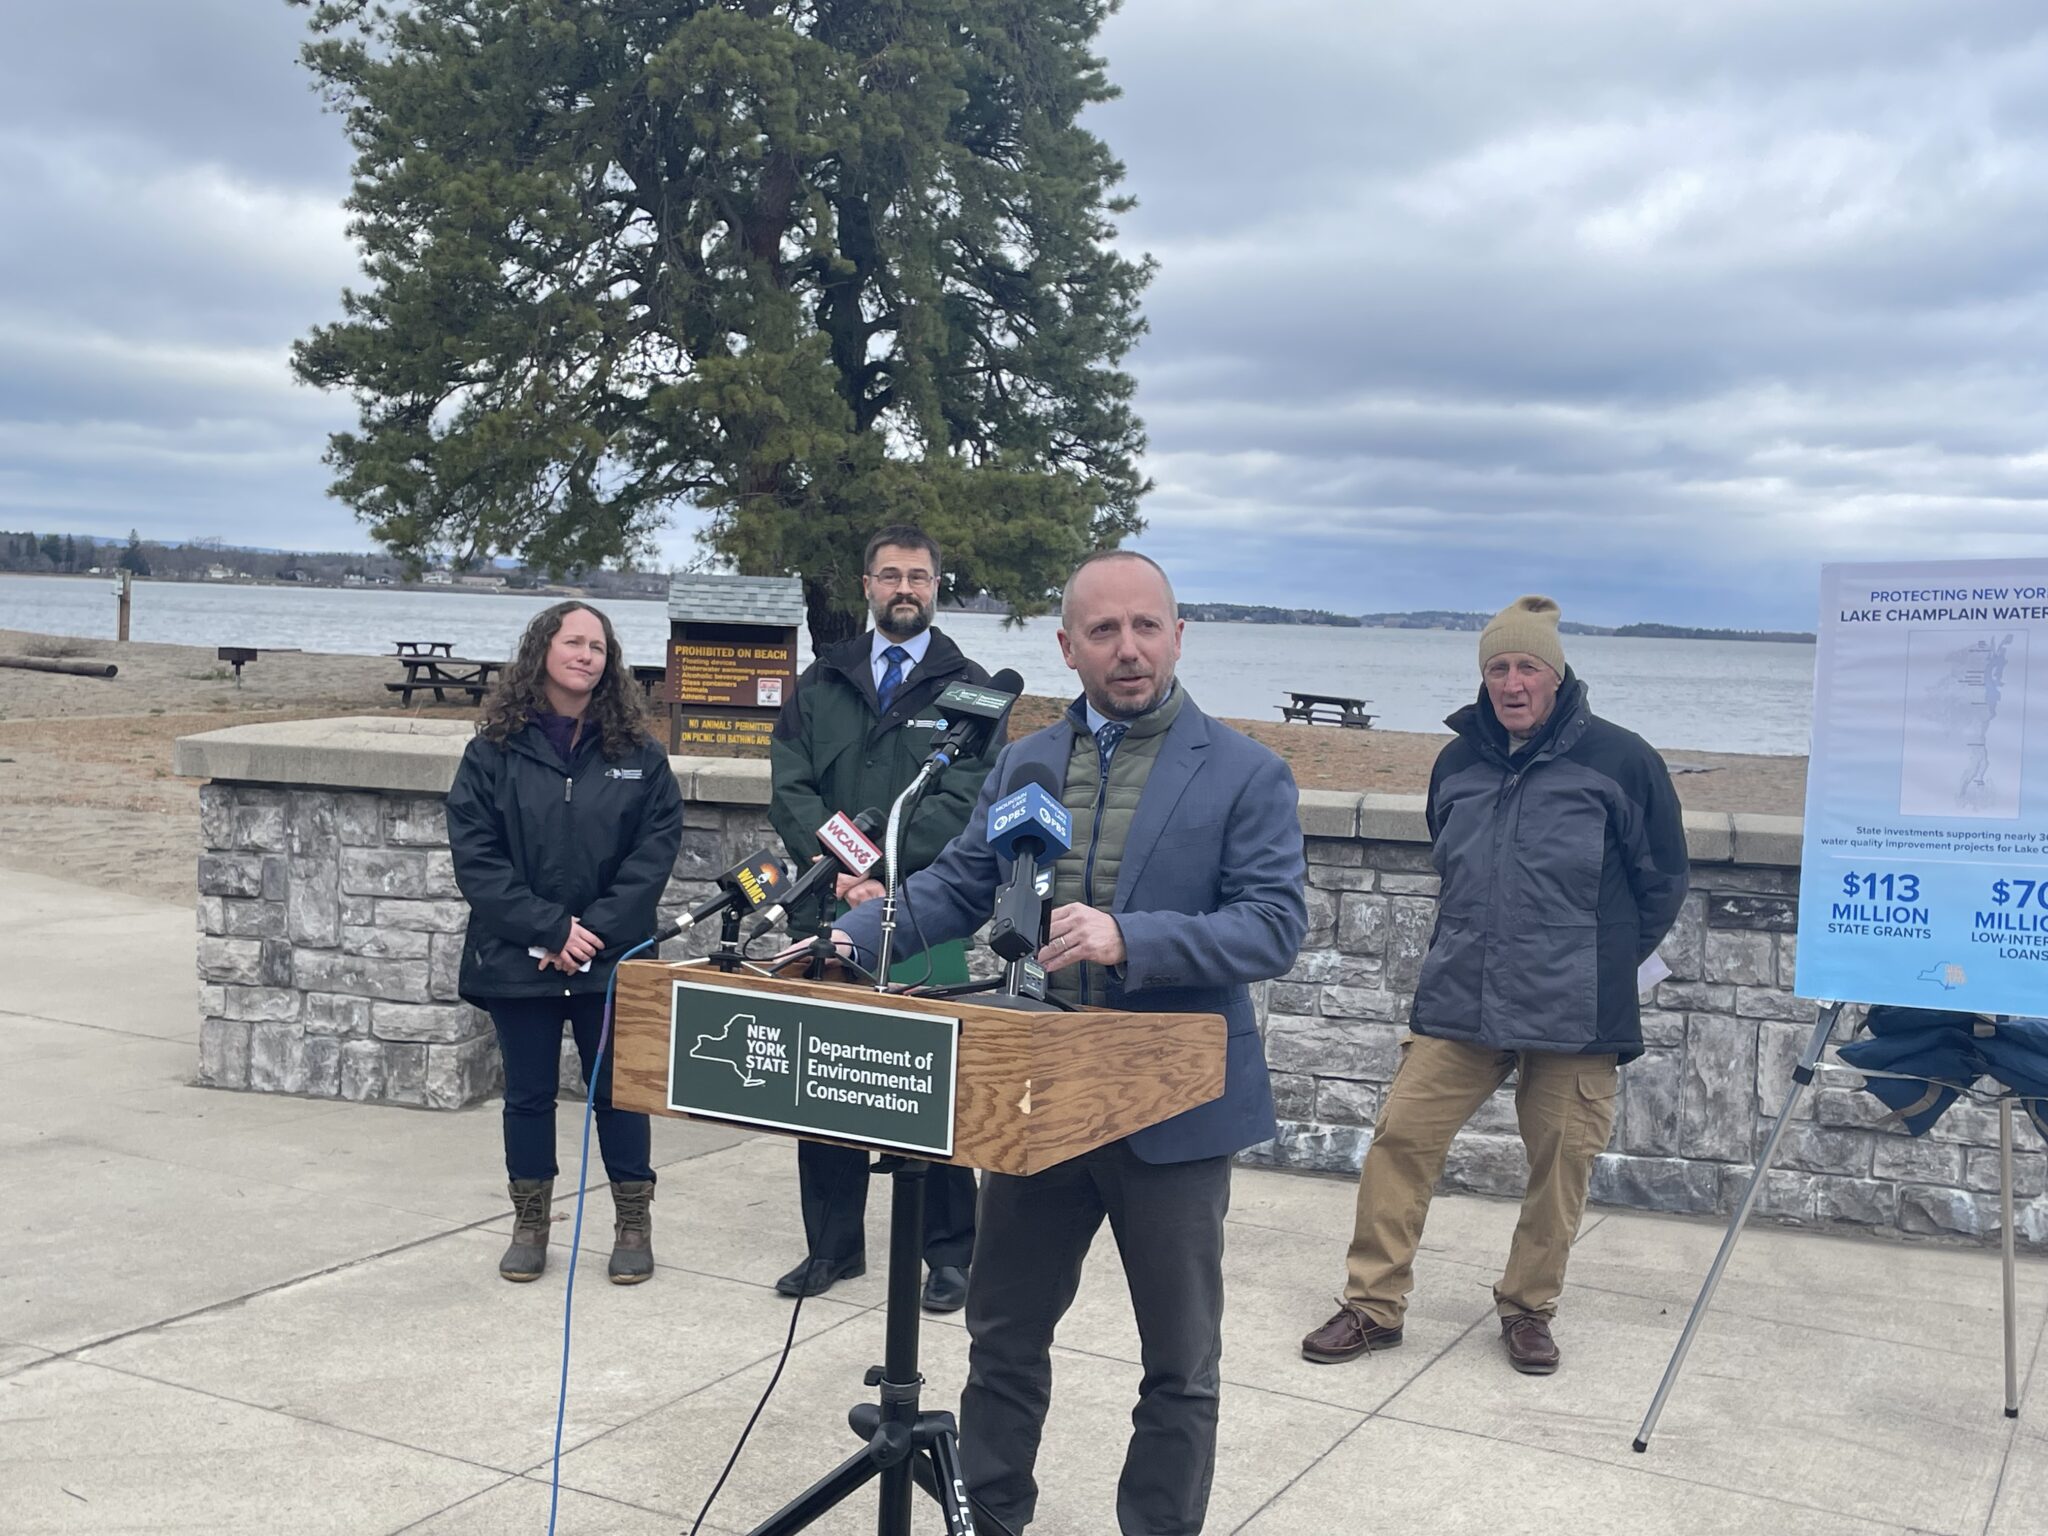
<point x="1327" y="709"/>
<point x="444" y="674"/>
<point x="423" y="647"/>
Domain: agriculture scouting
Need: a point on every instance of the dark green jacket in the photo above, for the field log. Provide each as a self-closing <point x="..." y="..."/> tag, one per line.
<point x="834" y="750"/>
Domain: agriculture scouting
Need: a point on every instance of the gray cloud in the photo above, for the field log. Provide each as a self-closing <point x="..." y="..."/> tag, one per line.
<point x="169" y="221"/>
<point x="1662" y="308"/>
<point x="1654" y="307"/>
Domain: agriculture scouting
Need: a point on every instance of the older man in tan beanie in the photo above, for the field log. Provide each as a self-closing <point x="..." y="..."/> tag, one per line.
<point x="1558" y="838"/>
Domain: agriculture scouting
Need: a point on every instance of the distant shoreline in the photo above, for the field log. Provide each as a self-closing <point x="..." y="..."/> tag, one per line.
<point x="1444" y="622"/>
<point x="271" y="583"/>
<point x="1425" y="621"/>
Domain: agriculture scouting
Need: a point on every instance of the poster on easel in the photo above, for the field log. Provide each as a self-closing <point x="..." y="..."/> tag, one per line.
<point x="1924" y="877"/>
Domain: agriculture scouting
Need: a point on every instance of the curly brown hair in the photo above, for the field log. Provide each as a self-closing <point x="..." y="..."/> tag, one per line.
<point x="519" y="695"/>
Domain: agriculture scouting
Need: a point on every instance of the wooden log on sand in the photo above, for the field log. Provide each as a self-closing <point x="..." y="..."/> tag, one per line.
<point x="58" y="664"/>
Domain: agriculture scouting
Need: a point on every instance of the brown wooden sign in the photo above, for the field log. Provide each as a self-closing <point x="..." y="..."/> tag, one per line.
<point x="721" y="674"/>
<point x="697" y="734"/>
<point x="727" y="679"/>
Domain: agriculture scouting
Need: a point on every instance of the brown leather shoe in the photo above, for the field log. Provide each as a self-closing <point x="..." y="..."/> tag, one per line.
<point x="1531" y="1349"/>
<point x="1347" y="1336"/>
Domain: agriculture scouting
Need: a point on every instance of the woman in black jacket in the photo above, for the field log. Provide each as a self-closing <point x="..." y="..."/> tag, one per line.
<point x="564" y="820"/>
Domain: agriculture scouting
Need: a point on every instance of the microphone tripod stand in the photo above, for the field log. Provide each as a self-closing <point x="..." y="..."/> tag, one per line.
<point x="822" y="957"/>
<point x="728" y="955"/>
<point x="906" y="1446"/>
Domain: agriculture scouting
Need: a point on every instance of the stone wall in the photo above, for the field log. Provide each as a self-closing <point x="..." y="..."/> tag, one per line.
<point x="330" y="942"/>
<point x="331" y="926"/>
<point x="1722" y="1036"/>
<point x="330" y="932"/>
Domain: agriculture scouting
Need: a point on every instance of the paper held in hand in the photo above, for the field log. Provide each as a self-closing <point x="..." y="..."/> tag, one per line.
<point x="1649" y="973"/>
<point x="540" y="954"/>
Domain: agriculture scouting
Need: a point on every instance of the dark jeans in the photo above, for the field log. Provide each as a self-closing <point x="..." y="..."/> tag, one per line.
<point x="1034" y="1233"/>
<point x="530" y="1037"/>
<point x="834" y="1185"/>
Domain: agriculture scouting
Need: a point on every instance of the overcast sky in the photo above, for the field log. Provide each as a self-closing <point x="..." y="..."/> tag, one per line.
<point x="1652" y="306"/>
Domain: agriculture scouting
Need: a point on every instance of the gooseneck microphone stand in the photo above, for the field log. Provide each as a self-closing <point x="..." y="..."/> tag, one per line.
<point x="905" y="1446"/>
<point x="892" y="840"/>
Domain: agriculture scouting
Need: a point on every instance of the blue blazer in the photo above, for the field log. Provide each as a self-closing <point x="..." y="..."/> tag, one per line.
<point x="1209" y="896"/>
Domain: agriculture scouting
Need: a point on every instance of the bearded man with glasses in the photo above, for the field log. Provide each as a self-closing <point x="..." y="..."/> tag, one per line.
<point x="853" y="733"/>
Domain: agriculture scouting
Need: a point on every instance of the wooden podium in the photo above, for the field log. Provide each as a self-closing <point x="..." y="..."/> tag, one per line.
<point x="1026" y="1090"/>
<point x="1033" y="1089"/>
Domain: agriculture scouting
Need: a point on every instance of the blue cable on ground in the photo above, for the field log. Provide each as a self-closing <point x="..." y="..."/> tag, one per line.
<point x="604" y="1038"/>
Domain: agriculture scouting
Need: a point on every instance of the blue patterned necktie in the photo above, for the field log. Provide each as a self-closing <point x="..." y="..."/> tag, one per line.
<point x="892" y="675"/>
<point x="1105" y="743"/>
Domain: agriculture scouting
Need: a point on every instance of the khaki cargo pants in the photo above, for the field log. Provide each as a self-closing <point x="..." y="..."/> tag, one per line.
<point x="1564" y="1107"/>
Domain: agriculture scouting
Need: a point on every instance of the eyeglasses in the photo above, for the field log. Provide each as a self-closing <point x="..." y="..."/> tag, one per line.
<point x="895" y="578"/>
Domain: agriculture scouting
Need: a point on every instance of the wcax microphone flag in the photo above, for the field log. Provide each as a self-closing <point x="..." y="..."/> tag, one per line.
<point x="850" y="840"/>
<point x="1032" y="829"/>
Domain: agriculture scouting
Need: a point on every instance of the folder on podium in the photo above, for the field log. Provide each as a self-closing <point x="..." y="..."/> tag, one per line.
<point x="946" y="1080"/>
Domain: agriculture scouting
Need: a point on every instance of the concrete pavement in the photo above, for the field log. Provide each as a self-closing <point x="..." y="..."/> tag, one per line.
<point x="229" y="1313"/>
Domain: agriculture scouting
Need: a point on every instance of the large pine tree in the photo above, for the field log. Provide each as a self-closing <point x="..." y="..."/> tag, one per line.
<point x="812" y="267"/>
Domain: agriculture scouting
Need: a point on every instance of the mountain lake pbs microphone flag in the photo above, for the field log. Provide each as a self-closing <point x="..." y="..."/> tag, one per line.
<point x="1924" y="876"/>
<point x="1030" y="812"/>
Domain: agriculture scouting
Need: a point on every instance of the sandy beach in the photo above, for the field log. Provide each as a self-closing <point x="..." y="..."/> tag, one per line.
<point x="87" y="791"/>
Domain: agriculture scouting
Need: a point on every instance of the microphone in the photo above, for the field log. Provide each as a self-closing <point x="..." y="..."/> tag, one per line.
<point x="1027" y="826"/>
<point x="748" y="885"/>
<point x="850" y="841"/>
<point x="972" y="713"/>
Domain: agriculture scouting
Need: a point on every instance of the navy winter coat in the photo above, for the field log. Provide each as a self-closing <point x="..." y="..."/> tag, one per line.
<point x="1563" y="868"/>
<point x="538" y="841"/>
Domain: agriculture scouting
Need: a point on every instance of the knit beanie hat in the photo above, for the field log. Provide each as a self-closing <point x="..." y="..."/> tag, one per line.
<point x="1528" y="625"/>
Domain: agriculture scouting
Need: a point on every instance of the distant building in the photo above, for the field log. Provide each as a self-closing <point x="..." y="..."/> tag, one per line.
<point x="439" y="578"/>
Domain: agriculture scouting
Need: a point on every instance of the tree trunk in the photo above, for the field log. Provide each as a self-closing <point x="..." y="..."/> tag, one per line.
<point x="52" y="664"/>
<point x="830" y="623"/>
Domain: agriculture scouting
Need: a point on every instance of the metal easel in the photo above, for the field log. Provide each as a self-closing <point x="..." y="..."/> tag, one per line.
<point x="1802" y="1076"/>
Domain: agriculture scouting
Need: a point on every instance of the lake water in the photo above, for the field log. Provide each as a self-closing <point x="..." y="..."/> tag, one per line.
<point x="1708" y="695"/>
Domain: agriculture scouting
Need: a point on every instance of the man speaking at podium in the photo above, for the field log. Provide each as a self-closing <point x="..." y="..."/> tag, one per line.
<point x="852" y="734"/>
<point x="1183" y="886"/>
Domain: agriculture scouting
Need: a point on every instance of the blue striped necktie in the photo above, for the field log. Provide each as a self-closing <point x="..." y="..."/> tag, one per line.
<point x="892" y="675"/>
